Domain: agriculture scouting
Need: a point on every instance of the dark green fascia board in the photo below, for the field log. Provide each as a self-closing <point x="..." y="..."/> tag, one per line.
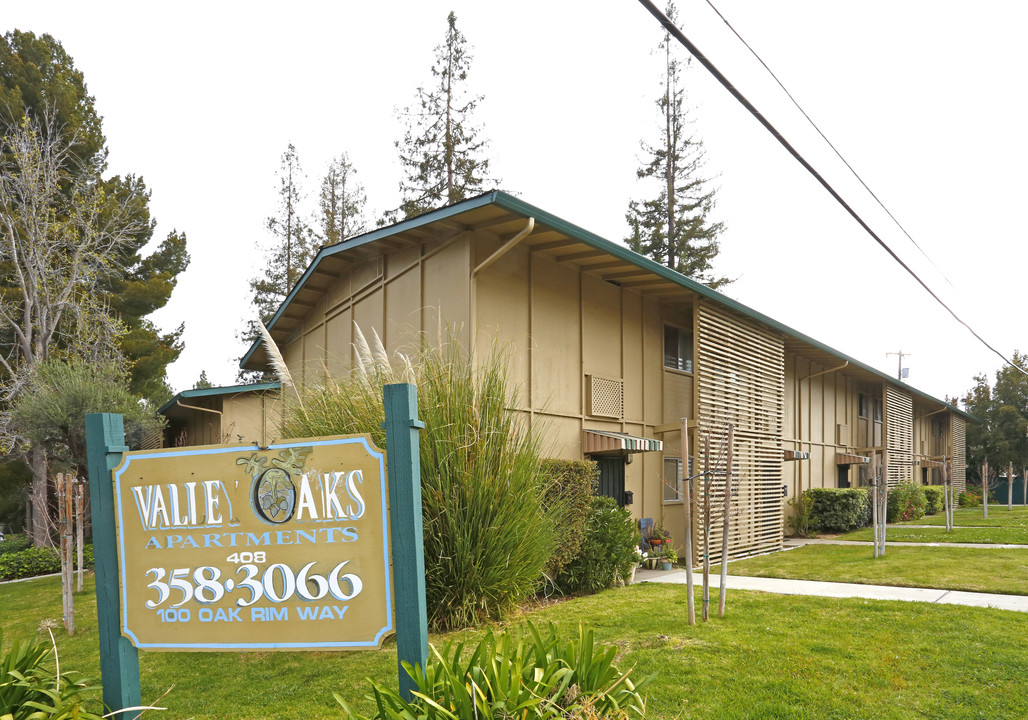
<point x="515" y="205"/>
<point x="214" y="391"/>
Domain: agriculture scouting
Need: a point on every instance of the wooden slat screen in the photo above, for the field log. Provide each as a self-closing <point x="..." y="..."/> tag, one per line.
<point x="899" y="434"/>
<point x="959" y="452"/>
<point x="740" y="379"/>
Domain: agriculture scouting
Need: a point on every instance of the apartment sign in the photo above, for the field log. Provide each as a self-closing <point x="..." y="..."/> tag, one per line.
<point x="247" y="548"/>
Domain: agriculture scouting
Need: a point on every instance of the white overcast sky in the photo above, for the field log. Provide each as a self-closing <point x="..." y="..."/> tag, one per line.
<point x="924" y="98"/>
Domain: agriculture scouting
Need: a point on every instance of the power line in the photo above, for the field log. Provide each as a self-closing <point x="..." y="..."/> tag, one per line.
<point x="673" y="30"/>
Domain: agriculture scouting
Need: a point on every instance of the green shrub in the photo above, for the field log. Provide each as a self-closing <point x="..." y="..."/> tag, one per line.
<point x="799" y="521"/>
<point x="14" y="543"/>
<point x="36" y="561"/>
<point x="568" y="486"/>
<point x="837" y="510"/>
<point x="29" y="563"/>
<point x="968" y="499"/>
<point x="29" y="690"/>
<point x="535" y="678"/>
<point x="487" y="534"/>
<point x="906" y="502"/>
<point x="608" y="550"/>
<point x="935" y="495"/>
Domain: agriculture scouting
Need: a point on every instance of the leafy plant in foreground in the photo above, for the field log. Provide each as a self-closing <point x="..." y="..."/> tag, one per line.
<point x="30" y="691"/>
<point x="608" y="550"/>
<point x="538" y="677"/>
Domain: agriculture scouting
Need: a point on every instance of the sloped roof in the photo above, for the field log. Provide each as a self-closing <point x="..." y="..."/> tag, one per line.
<point x="216" y="391"/>
<point x="502" y="213"/>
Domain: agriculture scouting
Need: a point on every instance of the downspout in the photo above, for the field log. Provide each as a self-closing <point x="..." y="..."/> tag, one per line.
<point x="219" y="413"/>
<point x="500" y="252"/>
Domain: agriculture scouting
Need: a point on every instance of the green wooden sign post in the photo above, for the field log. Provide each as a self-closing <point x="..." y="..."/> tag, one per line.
<point x="404" y="456"/>
<point x="119" y="659"/>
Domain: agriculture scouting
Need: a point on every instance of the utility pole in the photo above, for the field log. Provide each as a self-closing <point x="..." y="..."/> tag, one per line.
<point x="899" y="369"/>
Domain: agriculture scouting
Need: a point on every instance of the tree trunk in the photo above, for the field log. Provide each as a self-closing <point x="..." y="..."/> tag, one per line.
<point x="874" y="502"/>
<point x="40" y="526"/>
<point x="985" y="489"/>
<point x="726" y="523"/>
<point x="706" y="528"/>
<point x="1010" y="486"/>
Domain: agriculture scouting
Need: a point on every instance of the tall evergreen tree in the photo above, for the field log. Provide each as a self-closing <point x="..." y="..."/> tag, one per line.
<point x="38" y="80"/>
<point x="442" y="151"/>
<point x="341" y="203"/>
<point x="1002" y="437"/>
<point x="673" y="228"/>
<point x="293" y="247"/>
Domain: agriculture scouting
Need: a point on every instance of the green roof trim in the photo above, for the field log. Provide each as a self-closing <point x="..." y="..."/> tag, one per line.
<point x="215" y="391"/>
<point x="516" y="205"/>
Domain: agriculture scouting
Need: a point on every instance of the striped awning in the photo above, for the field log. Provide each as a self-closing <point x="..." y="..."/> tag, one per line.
<point x="796" y="455"/>
<point x="848" y="459"/>
<point x="599" y="442"/>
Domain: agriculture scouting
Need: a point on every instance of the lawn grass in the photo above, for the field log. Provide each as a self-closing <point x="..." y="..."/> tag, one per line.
<point x="992" y="570"/>
<point x="781" y="657"/>
<point x="987" y="535"/>
<point x="999" y="516"/>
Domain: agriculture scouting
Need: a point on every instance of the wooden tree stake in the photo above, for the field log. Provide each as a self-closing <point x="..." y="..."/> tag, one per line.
<point x="687" y="490"/>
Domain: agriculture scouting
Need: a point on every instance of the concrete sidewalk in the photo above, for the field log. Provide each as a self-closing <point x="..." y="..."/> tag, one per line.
<point x="1017" y="603"/>
<point x="800" y="542"/>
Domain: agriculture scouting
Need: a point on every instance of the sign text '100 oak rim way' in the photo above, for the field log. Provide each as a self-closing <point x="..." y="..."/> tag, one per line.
<point x="243" y="548"/>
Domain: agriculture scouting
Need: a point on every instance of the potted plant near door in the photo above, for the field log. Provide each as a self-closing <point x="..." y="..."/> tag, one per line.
<point x="669" y="558"/>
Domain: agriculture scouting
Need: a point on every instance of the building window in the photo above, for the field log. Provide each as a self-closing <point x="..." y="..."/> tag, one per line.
<point x="673" y="479"/>
<point x="878" y="410"/>
<point x="677" y="348"/>
<point x="862" y="405"/>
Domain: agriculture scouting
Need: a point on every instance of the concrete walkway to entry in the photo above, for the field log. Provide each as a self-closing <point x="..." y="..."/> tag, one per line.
<point x="1018" y="603"/>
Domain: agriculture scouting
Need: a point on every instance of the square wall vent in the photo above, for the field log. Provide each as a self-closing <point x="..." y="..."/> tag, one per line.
<point x="606" y="396"/>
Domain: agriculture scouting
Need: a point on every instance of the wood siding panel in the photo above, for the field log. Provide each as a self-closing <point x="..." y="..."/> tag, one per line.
<point x="446" y="283"/>
<point x="632" y="353"/>
<point x="959" y="435"/>
<point x="899" y="431"/>
<point x="740" y="379"/>
<point x="403" y="302"/>
<point x="338" y="350"/>
<point x="503" y="305"/>
<point x="601" y="328"/>
<point x="556" y="331"/>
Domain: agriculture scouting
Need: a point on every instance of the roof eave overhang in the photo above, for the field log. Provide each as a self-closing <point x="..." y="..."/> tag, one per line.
<point x="515" y="205"/>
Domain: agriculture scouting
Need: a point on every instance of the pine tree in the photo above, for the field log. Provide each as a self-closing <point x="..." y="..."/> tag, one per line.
<point x="293" y="247"/>
<point x="441" y="151"/>
<point x="674" y="227"/>
<point x="341" y="203"/>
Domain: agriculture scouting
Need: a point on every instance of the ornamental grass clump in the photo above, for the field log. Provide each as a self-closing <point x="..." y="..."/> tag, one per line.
<point x="487" y="536"/>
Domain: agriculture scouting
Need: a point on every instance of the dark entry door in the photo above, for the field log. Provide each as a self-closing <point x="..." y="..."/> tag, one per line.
<point x="612" y="478"/>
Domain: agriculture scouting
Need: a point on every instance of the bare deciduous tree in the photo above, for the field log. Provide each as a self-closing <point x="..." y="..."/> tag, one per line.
<point x="59" y="233"/>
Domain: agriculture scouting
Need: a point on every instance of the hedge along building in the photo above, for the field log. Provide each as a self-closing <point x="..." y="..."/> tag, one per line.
<point x="610" y="351"/>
